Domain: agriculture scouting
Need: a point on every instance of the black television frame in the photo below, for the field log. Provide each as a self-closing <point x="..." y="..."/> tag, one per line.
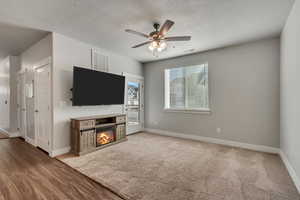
<point x="75" y="93"/>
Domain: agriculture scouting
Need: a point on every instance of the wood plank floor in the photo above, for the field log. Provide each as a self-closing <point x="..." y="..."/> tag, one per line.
<point x="28" y="173"/>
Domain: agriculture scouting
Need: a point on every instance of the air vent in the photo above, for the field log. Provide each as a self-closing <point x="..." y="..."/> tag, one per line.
<point x="99" y="61"/>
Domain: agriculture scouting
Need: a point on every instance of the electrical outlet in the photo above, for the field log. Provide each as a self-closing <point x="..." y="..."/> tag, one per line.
<point x="219" y="130"/>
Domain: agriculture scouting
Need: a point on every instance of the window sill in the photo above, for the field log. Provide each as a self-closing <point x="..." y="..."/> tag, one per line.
<point x="189" y="111"/>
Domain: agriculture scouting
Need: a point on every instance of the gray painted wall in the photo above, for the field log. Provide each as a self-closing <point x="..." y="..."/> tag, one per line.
<point x="290" y="81"/>
<point x="244" y="91"/>
<point x="68" y="52"/>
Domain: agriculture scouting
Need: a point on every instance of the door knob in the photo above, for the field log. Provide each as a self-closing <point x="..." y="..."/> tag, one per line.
<point x="36" y="111"/>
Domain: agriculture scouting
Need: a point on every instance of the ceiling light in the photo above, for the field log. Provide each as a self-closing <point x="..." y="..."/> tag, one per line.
<point x="163" y="45"/>
<point x="158" y="46"/>
<point x="155" y="44"/>
<point x="157" y="39"/>
<point x="151" y="48"/>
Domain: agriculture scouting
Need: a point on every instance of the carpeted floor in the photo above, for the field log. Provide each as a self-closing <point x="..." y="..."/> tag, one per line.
<point x="152" y="167"/>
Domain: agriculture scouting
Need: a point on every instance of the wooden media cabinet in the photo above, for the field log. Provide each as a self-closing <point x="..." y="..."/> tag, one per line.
<point x="92" y="133"/>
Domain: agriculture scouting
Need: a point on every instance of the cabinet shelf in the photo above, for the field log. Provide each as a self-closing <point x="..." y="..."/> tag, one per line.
<point x="104" y="125"/>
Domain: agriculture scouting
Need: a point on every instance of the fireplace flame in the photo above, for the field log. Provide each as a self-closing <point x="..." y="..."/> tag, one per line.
<point x="104" y="138"/>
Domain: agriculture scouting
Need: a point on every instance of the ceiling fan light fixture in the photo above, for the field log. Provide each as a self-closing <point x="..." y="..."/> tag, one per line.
<point x="151" y="48"/>
<point x="156" y="39"/>
<point x="162" y="47"/>
<point x="153" y="45"/>
<point x="157" y="46"/>
<point x="162" y="44"/>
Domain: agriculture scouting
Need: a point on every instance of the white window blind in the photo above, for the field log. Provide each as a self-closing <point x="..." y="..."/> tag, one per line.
<point x="186" y="88"/>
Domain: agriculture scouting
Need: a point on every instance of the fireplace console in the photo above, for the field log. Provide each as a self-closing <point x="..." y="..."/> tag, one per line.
<point x="96" y="132"/>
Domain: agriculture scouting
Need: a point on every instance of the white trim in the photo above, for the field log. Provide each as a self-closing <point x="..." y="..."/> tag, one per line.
<point x="42" y="63"/>
<point x="290" y="169"/>
<point x="140" y="79"/>
<point x="188" y="111"/>
<point x="30" y="141"/>
<point x="14" y="134"/>
<point x="5" y="132"/>
<point x="10" y="134"/>
<point x="132" y="75"/>
<point x="59" y="152"/>
<point x="254" y="147"/>
<point x="22" y="113"/>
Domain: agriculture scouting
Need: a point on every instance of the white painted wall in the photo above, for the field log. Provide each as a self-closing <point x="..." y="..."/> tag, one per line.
<point x="4" y="94"/>
<point x="34" y="54"/>
<point x="37" y="52"/>
<point x="8" y="72"/>
<point x="290" y="95"/>
<point x="244" y="94"/>
<point x="68" y="52"/>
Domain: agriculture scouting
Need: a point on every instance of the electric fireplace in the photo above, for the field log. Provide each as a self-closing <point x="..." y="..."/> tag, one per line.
<point x="105" y="135"/>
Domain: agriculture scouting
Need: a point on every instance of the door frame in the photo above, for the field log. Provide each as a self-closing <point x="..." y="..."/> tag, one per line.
<point x="21" y="86"/>
<point x="41" y="64"/>
<point x="142" y="101"/>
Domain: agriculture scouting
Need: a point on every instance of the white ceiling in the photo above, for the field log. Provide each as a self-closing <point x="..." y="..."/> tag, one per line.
<point x="15" y="39"/>
<point x="211" y="23"/>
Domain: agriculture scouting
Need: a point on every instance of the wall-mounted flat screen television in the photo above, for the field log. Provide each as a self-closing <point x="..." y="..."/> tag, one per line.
<point x="92" y="87"/>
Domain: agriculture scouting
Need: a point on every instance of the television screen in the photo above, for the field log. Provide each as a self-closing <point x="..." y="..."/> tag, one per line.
<point x="92" y="87"/>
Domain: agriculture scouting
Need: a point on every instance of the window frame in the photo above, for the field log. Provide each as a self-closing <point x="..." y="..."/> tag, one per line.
<point x="185" y="110"/>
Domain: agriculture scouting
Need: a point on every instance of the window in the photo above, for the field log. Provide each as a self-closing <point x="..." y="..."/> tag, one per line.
<point x="186" y="88"/>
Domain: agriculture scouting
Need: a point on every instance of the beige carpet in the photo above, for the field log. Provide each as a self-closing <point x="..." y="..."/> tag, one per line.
<point x="152" y="167"/>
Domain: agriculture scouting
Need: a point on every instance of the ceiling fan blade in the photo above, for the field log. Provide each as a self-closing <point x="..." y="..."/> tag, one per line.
<point x="166" y="27"/>
<point x="137" y="33"/>
<point x="178" y="38"/>
<point x="142" y="44"/>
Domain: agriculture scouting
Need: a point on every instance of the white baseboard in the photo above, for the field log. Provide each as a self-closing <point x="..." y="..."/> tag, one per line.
<point x="215" y="140"/>
<point x="10" y="134"/>
<point x="59" y="152"/>
<point x="14" y="134"/>
<point x="290" y="169"/>
<point x="30" y="141"/>
<point x="4" y="131"/>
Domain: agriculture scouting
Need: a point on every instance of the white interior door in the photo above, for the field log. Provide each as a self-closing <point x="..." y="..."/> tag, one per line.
<point x="134" y="103"/>
<point x="42" y="107"/>
<point x="21" y="105"/>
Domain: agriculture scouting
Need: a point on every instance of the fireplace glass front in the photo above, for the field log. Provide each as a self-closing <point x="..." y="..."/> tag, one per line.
<point x="105" y="135"/>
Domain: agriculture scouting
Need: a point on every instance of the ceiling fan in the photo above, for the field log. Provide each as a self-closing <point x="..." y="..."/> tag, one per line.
<point x="157" y="39"/>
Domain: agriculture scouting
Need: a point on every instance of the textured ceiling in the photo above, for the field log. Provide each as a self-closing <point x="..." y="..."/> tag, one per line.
<point x="211" y="23"/>
<point x="15" y="39"/>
